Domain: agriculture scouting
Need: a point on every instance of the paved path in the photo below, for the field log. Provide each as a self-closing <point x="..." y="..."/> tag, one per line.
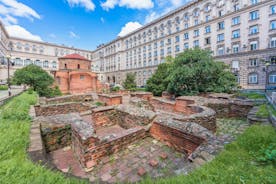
<point x="4" y="94"/>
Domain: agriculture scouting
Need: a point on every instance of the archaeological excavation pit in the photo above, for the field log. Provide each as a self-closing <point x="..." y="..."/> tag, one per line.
<point x="122" y="142"/>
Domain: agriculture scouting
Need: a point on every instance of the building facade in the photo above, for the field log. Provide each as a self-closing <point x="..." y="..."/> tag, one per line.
<point x="74" y="75"/>
<point x="241" y="33"/>
<point x="23" y="52"/>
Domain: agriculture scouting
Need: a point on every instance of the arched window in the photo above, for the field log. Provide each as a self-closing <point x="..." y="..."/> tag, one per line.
<point x="27" y="62"/>
<point x="272" y="77"/>
<point x="253" y="78"/>
<point x="65" y="66"/>
<point x="78" y="66"/>
<point x="18" y="62"/>
<point x="46" y="64"/>
<point x="54" y="64"/>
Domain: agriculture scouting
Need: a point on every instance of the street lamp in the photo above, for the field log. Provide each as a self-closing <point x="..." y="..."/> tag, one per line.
<point x="9" y="84"/>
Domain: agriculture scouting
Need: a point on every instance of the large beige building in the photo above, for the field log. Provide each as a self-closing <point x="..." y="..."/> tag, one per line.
<point x="24" y="52"/>
<point x="241" y="33"/>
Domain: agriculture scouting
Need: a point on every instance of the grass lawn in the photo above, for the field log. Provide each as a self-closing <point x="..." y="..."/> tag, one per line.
<point x="236" y="164"/>
<point x="252" y="95"/>
<point x="14" y="138"/>
<point x="263" y="111"/>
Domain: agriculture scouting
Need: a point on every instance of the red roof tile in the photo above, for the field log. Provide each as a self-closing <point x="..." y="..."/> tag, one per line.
<point x="74" y="56"/>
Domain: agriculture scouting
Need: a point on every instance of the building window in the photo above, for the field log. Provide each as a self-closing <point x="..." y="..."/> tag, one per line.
<point x="220" y="25"/>
<point x="82" y="77"/>
<point x="186" y="36"/>
<point x="18" y="62"/>
<point x="45" y="64"/>
<point x="207" y="18"/>
<point x="177" y="48"/>
<point x="236" y="20"/>
<point x="220" y="51"/>
<point x="273" y="42"/>
<point x="169" y="41"/>
<point x="235" y="65"/>
<point x="273" y="25"/>
<point x="253" y="62"/>
<point x="207" y="41"/>
<point x="236" y="33"/>
<point x="273" y="60"/>
<point x="253" y="29"/>
<point x="196" y="43"/>
<point x="208" y="29"/>
<point x="273" y="9"/>
<point x="186" y="45"/>
<point x="196" y="33"/>
<point x="236" y="48"/>
<point x="54" y="64"/>
<point x="186" y="25"/>
<point x="27" y="62"/>
<point x="253" y="78"/>
<point x="236" y="7"/>
<point x="169" y="50"/>
<point x="253" y="45"/>
<point x="220" y="13"/>
<point x="196" y="22"/>
<point x="177" y="39"/>
<point x="254" y="15"/>
<point x="254" y="2"/>
<point x="220" y="37"/>
<point x="162" y="43"/>
<point x="272" y="78"/>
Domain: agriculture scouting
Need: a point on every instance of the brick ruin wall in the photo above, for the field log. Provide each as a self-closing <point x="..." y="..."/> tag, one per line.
<point x="55" y="138"/>
<point x="65" y="99"/>
<point x="49" y="110"/>
<point x="177" y="139"/>
<point x="110" y="100"/>
<point x="91" y="151"/>
<point x="143" y="95"/>
<point x="105" y="118"/>
<point x="231" y="109"/>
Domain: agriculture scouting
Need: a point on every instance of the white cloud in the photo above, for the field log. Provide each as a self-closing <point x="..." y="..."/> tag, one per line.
<point x="164" y="7"/>
<point x="133" y="4"/>
<point x="20" y="32"/>
<point x="52" y="35"/>
<point x="87" y="4"/>
<point x="73" y="35"/>
<point x="9" y="9"/>
<point x="129" y="27"/>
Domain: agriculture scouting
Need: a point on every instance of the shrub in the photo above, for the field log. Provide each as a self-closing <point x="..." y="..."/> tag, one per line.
<point x="129" y="83"/>
<point x="3" y="87"/>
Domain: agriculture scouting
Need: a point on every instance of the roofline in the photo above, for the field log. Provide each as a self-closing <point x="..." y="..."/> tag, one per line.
<point x="47" y="43"/>
<point x="191" y="3"/>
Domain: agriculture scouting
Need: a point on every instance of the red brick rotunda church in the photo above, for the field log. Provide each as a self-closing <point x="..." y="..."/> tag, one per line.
<point x="74" y="75"/>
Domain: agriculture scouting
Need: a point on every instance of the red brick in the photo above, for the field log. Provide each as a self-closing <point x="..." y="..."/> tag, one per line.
<point x="164" y="156"/>
<point x="141" y="171"/>
<point x="153" y="163"/>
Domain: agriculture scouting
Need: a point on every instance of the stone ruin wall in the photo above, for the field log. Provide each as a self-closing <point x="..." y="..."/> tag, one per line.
<point x="66" y="108"/>
<point x="65" y="99"/>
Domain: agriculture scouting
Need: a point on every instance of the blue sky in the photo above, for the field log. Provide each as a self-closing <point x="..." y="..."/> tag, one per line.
<point x="79" y="23"/>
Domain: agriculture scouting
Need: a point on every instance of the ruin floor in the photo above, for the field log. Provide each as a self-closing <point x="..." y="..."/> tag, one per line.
<point x="125" y="165"/>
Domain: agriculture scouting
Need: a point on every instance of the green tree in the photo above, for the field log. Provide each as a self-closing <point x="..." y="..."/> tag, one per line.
<point x="130" y="83"/>
<point x="195" y="71"/>
<point x="36" y="78"/>
<point x="191" y="72"/>
<point x="158" y="82"/>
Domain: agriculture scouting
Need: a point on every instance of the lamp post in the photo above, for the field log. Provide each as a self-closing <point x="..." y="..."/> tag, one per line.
<point x="9" y="84"/>
<point x="267" y="64"/>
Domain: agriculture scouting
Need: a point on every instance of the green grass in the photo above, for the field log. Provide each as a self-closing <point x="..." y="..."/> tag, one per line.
<point x="272" y="110"/>
<point x="3" y="87"/>
<point x="15" y="167"/>
<point x="252" y="96"/>
<point x="236" y="164"/>
<point x="263" y="111"/>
